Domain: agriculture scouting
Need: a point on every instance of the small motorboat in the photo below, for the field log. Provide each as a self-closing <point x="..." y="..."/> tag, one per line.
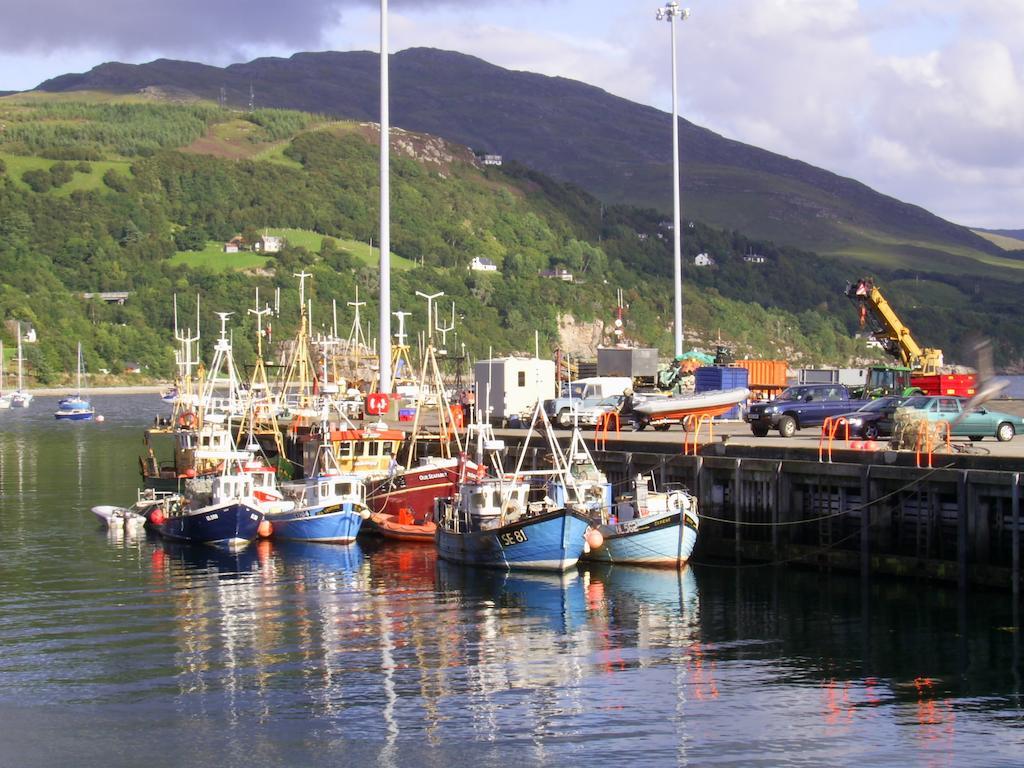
<point x="662" y="411"/>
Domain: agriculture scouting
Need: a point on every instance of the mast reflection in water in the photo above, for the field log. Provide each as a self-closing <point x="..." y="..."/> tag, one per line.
<point x="119" y="649"/>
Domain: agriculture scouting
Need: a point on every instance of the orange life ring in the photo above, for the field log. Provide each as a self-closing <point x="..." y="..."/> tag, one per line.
<point x="187" y="420"/>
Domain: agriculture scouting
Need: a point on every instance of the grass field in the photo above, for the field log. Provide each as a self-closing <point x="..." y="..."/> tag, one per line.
<point x="17" y="165"/>
<point x="213" y="257"/>
<point x="1004" y="242"/>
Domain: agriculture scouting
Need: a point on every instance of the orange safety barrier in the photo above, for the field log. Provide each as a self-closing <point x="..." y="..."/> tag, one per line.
<point x="924" y="439"/>
<point x="604" y="422"/>
<point x="829" y="429"/>
<point x="691" y="426"/>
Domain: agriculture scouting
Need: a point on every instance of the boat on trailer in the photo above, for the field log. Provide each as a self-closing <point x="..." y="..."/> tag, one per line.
<point x="661" y="412"/>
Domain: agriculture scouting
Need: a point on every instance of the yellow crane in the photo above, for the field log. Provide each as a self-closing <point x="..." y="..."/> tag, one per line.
<point x="890" y="331"/>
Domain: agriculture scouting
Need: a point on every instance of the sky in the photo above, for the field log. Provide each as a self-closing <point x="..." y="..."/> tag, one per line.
<point x="920" y="99"/>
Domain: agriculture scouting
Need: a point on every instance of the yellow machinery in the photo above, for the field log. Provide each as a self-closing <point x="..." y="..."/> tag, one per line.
<point x="894" y="336"/>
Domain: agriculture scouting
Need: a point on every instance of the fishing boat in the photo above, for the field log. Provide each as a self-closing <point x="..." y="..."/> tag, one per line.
<point x="75" y="407"/>
<point x="662" y="411"/>
<point x="331" y="506"/>
<point x="222" y="512"/>
<point x="21" y="397"/>
<point x="496" y="520"/>
<point x="135" y="516"/>
<point x="649" y="527"/>
<point x="5" y="397"/>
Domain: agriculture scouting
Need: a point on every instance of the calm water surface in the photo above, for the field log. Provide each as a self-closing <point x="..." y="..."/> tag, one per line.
<point x="118" y="651"/>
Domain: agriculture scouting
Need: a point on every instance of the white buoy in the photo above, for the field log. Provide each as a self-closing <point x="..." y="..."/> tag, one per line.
<point x="99" y="417"/>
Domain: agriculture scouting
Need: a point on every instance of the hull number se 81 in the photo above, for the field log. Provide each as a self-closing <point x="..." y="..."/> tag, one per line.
<point x="518" y="536"/>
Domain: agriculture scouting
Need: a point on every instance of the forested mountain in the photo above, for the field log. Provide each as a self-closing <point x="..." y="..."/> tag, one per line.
<point x="136" y="195"/>
<point x="615" y="149"/>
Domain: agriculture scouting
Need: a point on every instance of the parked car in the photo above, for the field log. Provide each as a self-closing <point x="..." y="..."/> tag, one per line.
<point x="807" y="405"/>
<point x="976" y="424"/>
<point x="873" y="419"/>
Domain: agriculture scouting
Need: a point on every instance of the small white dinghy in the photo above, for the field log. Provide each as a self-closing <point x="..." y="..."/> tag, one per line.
<point x="135" y="516"/>
<point x="119" y="517"/>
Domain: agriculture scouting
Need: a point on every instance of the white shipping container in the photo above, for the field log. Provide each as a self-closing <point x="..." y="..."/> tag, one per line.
<point x="511" y="386"/>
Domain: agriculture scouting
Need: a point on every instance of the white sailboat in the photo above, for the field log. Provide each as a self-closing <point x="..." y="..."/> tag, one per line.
<point x="75" y="407"/>
<point x="5" y="399"/>
<point x="21" y="397"/>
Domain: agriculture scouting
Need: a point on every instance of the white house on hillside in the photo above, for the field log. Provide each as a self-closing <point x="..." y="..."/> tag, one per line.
<point x="268" y="244"/>
<point x="481" y="264"/>
<point x="703" y="260"/>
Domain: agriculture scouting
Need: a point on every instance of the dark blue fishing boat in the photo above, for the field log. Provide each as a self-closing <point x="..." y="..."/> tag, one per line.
<point x="227" y="516"/>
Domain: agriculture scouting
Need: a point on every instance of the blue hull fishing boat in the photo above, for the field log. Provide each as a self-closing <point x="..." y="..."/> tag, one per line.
<point x="334" y="524"/>
<point x="550" y="541"/>
<point x="649" y="528"/>
<point x="331" y="506"/>
<point x="230" y="526"/>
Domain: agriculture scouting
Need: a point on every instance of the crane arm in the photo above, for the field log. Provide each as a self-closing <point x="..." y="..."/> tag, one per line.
<point x="895" y="337"/>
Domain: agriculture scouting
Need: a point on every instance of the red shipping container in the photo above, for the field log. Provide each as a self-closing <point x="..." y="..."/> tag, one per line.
<point x="952" y="384"/>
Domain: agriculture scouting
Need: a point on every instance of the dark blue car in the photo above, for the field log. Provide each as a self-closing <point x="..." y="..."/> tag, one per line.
<point x="807" y="405"/>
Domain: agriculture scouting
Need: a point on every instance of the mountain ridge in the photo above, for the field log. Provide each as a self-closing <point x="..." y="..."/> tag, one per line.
<point x="580" y="133"/>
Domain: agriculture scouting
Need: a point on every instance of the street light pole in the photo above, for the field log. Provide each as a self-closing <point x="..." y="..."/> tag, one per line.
<point x="384" y="345"/>
<point x="670" y="13"/>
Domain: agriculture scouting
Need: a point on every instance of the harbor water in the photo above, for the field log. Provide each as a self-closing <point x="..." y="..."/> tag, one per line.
<point x="120" y="651"/>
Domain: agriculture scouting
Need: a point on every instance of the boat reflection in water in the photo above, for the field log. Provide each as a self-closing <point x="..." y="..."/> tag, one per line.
<point x="172" y="557"/>
<point x="556" y="599"/>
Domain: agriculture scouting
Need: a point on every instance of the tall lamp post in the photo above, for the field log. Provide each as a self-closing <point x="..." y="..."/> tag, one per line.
<point x="670" y="13"/>
<point x="384" y="345"/>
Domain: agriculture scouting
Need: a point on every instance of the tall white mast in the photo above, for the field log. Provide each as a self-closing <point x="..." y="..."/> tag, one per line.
<point x="385" y="210"/>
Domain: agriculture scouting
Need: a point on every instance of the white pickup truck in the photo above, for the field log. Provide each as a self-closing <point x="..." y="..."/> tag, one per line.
<point x="583" y="395"/>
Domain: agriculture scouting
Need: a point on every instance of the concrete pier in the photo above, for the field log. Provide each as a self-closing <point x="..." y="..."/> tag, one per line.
<point x="773" y="501"/>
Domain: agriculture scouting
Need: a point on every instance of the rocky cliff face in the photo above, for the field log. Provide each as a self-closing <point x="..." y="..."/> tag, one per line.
<point x="580" y="339"/>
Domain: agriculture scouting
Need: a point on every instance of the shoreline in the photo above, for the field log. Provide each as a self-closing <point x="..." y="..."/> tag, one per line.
<point x="130" y="389"/>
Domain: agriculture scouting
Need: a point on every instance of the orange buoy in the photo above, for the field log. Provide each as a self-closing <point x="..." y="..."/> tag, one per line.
<point x="265" y="529"/>
<point x="594" y="538"/>
<point x="157" y="517"/>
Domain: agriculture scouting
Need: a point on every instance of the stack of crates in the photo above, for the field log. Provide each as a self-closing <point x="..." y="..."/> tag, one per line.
<point x="715" y="377"/>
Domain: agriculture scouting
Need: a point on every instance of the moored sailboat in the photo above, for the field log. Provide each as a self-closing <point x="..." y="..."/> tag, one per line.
<point x="5" y="397"/>
<point x="21" y="397"/>
<point x="75" y="407"/>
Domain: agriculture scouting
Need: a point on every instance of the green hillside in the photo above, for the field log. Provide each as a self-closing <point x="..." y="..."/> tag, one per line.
<point x="613" y="148"/>
<point x="136" y="196"/>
